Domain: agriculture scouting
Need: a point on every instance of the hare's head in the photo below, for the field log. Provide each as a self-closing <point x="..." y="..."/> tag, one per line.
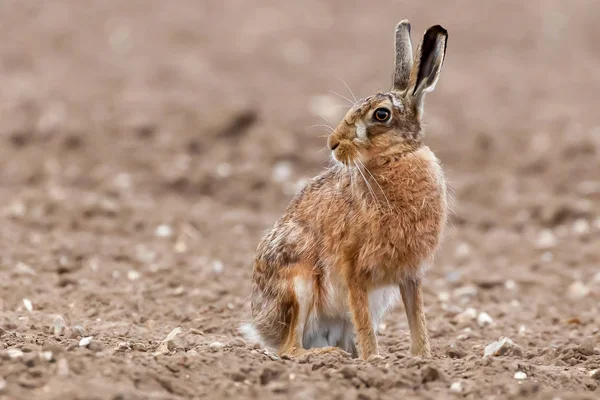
<point x="390" y="123"/>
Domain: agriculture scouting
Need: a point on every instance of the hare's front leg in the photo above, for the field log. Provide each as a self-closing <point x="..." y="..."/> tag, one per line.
<point x="412" y="297"/>
<point x="361" y="318"/>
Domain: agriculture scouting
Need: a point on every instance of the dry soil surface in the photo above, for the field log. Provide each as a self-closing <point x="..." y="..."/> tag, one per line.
<point x="146" y="146"/>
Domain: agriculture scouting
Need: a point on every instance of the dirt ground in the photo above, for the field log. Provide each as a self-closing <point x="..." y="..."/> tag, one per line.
<point x="146" y="146"/>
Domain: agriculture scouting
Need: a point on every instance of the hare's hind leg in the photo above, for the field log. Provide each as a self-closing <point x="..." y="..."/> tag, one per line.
<point x="412" y="297"/>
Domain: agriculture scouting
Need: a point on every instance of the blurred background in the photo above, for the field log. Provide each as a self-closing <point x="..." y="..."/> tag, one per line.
<point x="146" y="146"/>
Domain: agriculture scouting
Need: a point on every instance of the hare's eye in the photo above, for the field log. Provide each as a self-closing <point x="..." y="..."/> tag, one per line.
<point x="381" y="114"/>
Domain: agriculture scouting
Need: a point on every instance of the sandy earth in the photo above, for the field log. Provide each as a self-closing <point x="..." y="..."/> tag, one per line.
<point x="145" y="147"/>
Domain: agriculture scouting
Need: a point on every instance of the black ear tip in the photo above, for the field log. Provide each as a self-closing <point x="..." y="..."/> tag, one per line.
<point x="437" y="30"/>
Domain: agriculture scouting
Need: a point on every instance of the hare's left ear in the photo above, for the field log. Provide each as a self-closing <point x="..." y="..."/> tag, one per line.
<point x="403" y="60"/>
<point x="428" y="65"/>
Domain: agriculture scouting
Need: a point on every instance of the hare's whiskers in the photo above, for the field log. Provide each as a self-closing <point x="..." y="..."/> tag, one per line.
<point x="343" y="97"/>
<point x="367" y="183"/>
<point x="377" y="183"/>
<point x="350" y="90"/>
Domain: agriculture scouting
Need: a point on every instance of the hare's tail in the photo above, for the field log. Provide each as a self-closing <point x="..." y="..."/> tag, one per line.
<point x="248" y="330"/>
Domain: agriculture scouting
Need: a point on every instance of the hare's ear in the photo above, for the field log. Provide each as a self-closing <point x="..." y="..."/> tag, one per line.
<point x="403" y="60"/>
<point x="428" y="65"/>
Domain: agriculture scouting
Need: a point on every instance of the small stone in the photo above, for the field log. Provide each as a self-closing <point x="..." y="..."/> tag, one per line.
<point x="85" y="341"/>
<point x="510" y="284"/>
<point x="139" y="347"/>
<point x="455" y="352"/>
<point x="180" y="247"/>
<point x="223" y="170"/>
<point x="164" y="231"/>
<point x="484" y="319"/>
<point x="502" y="347"/>
<point x="133" y="275"/>
<point x="466" y="316"/>
<point x="581" y="226"/>
<point x="14" y="353"/>
<point x="546" y="240"/>
<point x="520" y="375"/>
<point x="430" y="374"/>
<point x="456" y="387"/>
<point x="578" y="290"/>
<point x="47" y="355"/>
<point x="462" y="251"/>
<point x="595" y="374"/>
<point x="59" y="325"/>
<point x="216" y="346"/>
<point x="77" y="331"/>
<point x="217" y="266"/>
<point x="28" y="305"/>
<point x="444" y="297"/>
<point x="24" y="269"/>
<point x="586" y="347"/>
<point x="282" y="172"/>
<point x="465" y="291"/>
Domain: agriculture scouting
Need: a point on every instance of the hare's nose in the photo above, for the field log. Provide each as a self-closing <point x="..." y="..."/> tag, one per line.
<point x="333" y="144"/>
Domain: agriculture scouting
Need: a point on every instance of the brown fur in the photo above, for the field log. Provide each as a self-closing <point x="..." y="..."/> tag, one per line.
<point x="372" y="220"/>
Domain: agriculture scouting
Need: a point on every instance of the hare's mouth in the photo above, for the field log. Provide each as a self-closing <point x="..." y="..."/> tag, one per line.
<point x="347" y="154"/>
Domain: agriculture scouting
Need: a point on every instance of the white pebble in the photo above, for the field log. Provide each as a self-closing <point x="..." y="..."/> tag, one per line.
<point x="282" y="171"/>
<point x="59" y="325"/>
<point x="164" y="231"/>
<point x="217" y="266"/>
<point x="444" y="297"/>
<point x="24" y="269"/>
<point x="180" y="247"/>
<point x="382" y="327"/>
<point x="223" y="170"/>
<point x="28" y="305"/>
<point x="14" y="353"/>
<point x="510" y="284"/>
<point x="522" y="330"/>
<point x="546" y="239"/>
<point x="581" y="227"/>
<point x="85" y="341"/>
<point x="465" y="291"/>
<point x="466" y="316"/>
<point x="484" y="319"/>
<point x="578" y="290"/>
<point x="462" y="251"/>
<point x="216" y="345"/>
<point x="133" y="275"/>
<point x="456" y="387"/>
<point x="47" y="355"/>
<point x="520" y="375"/>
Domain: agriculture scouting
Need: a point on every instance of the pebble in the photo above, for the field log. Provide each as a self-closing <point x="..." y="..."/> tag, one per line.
<point x="462" y="251"/>
<point x="578" y="290"/>
<point x="133" y="275"/>
<point x="430" y="374"/>
<point x="484" y="319"/>
<point x="47" y="355"/>
<point x="217" y="266"/>
<point x="581" y="227"/>
<point x="14" y="353"/>
<point x="28" y="305"/>
<point x="466" y="316"/>
<point x="59" y="325"/>
<point x="586" y="347"/>
<point x="444" y="297"/>
<point x="24" y="269"/>
<point x="164" y="231"/>
<point x="216" y="346"/>
<point x="465" y="291"/>
<point x="520" y="375"/>
<point x="502" y="347"/>
<point x="85" y="341"/>
<point x="282" y="171"/>
<point x="546" y="239"/>
<point x="595" y="374"/>
<point x="223" y="170"/>
<point x="456" y="387"/>
<point x="77" y="331"/>
<point x="510" y="284"/>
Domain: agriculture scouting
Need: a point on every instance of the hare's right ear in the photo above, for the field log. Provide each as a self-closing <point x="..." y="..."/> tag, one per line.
<point x="427" y="66"/>
<point x="403" y="60"/>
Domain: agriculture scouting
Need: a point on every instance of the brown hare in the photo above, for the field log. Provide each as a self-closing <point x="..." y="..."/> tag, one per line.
<point x="359" y="235"/>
